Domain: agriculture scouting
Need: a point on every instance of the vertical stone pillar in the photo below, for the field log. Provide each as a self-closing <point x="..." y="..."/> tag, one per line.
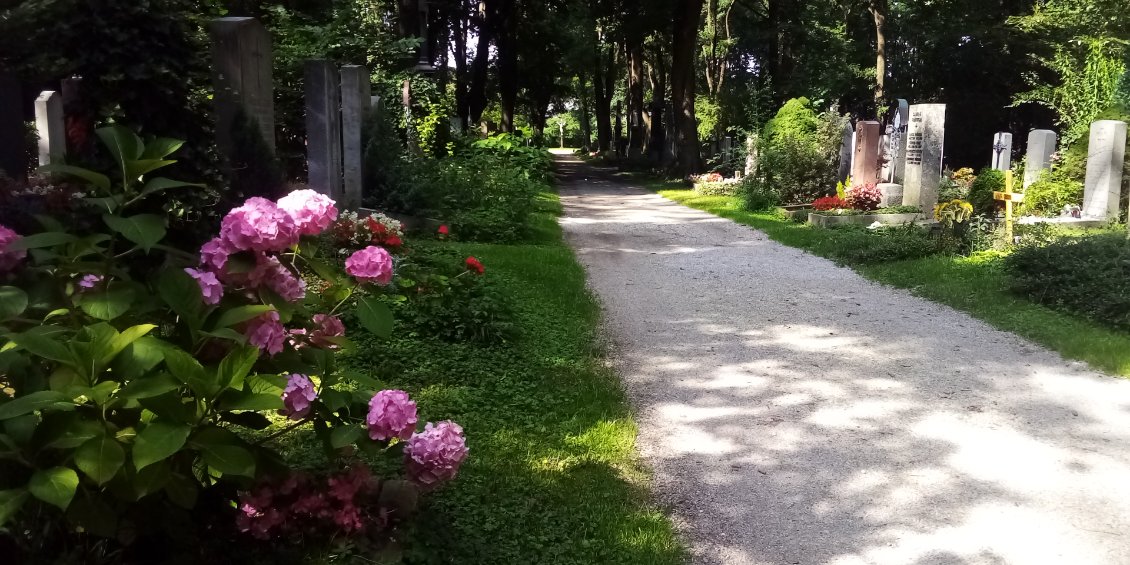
<point x="13" y="162"/>
<point x="865" y="166"/>
<point x="847" y="150"/>
<point x="1041" y="145"/>
<point x="925" y="139"/>
<point x="323" y="127"/>
<point x="899" y="125"/>
<point x="1002" y="151"/>
<point x="49" y="125"/>
<point x="241" y="75"/>
<point x="1105" y="155"/>
<point x="355" y="98"/>
<point x="79" y="118"/>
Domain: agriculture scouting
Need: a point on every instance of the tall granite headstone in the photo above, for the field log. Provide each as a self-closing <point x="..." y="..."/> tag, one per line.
<point x="925" y="138"/>
<point x="79" y="118"/>
<point x="13" y="159"/>
<point x="1105" y="155"/>
<point x="865" y="166"/>
<point x="1041" y="145"/>
<point x="356" y="90"/>
<point x="241" y="75"/>
<point x="49" y="124"/>
<point x="899" y="122"/>
<point x="323" y="127"/>
<point x="1002" y="151"/>
<point x="752" y="155"/>
<point x="847" y="146"/>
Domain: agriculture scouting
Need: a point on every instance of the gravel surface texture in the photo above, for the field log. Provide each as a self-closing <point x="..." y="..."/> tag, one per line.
<point x="794" y="412"/>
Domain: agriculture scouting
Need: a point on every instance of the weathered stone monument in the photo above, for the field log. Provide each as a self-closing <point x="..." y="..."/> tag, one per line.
<point x="1002" y="151"/>
<point x="925" y="137"/>
<point x="78" y="117"/>
<point x="1105" y="155"/>
<point x="753" y="157"/>
<point x="241" y="75"/>
<point x="865" y="166"/>
<point x="356" y="93"/>
<point x="1041" y="145"/>
<point x="49" y="124"/>
<point x="12" y="158"/>
<point x="847" y="151"/>
<point x="899" y="121"/>
<point x="323" y="127"/>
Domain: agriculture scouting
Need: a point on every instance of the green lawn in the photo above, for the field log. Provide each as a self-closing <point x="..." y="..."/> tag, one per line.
<point x="976" y="285"/>
<point x="553" y="475"/>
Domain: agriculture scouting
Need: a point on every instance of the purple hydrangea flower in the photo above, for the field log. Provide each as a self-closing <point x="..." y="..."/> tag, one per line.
<point x="391" y="414"/>
<point x="435" y="454"/>
<point x="259" y="225"/>
<point x="298" y="396"/>
<point x="266" y="333"/>
<point x="311" y="211"/>
<point x="210" y="288"/>
<point x="371" y="264"/>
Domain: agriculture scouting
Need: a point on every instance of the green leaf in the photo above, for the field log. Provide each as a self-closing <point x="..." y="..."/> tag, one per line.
<point x="322" y="270"/>
<point x="158" y="441"/>
<point x="182" y="491"/>
<point x="344" y="435"/>
<point x="40" y="341"/>
<point x="160" y="148"/>
<point x="125" y="339"/>
<point x="190" y="372"/>
<point x="158" y="184"/>
<point x="107" y="304"/>
<point x="230" y="460"/>
<point x="100" y="458"/>
<point x="99" y="180"/>
<point x="375" y="316"/>
<point x="138" y="358"/>
<point x="252" y="420"/>
<point x="136" y="169"/>
<point x="10" y="503"/>
<point x="241" y="314"/>
<point x="40" y="240"/>
<point x="182" y="294"/>
<point x="170" y="406"/>
<point x="13" y="302"/>
<point x="151" y="479"/>
<point x="42" y="400"/>
<point x="123" y="144"/>
<point x="146" y="230"/>
<point x="148" y="387"/>
<point x="72" y="431"/>
<point x="54" y="486"/>
<point x="228" y="334"/>
<point x="235" y="366"/>
<point x="254" y="401"/>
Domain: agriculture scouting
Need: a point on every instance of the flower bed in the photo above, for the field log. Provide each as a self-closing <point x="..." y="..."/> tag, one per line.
<point x="885" y="216"/>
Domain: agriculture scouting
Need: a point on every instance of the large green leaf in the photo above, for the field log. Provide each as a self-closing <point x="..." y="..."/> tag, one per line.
<point x="40" y="341"/>
<point x="158" y="441"/>
<point x="136" y="169"/>
<point x="241" y="314"/>
<point x="99" y="180"/>
<point x="54" y="486"/>
<point x="42" y="400"/>
<point x="10" y="503"/>
<point x="124" y="145"/>
<point x="344" y="435"/>
<point x="158" y="184"/>
<point x="160" y="147"/>
<point x="146" y="230"/>
<point x="375" y="316"/>
<point x="182" y="294"/>
<point x="100" y="458"/>
<point x="190" y="372"/>
<point x="230" y="460"/>
<point x="253" y="401"/>
<point x="236" y="365"/>
<point x="125" y="339"/>
<point x="13" y="302"/>
<point x="69" y="430"/>
<point x="107" y="304"/>
<point x="138" y="358"/>
<point x="149" y="386"/>
<point x="40" y="240"/>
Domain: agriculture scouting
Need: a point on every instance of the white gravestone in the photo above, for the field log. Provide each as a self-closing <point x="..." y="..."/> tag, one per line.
<point x="1002" y="151"/>
<point x="1105" y="154"/>
<point x="49" y="123"/>
<point x="1041" y="145"/>
<point x="925" y="137"/>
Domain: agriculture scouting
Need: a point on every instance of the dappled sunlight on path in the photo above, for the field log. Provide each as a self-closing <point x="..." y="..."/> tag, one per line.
<point x="795" y="412"/>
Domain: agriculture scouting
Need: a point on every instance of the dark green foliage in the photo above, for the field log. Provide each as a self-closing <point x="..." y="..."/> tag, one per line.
<point x="254" y="170"/>
<point x="800" y="149"/>
<point x="981" y="193"/>
<point x="859" y="245"/>
<point x="1047" y="196"/>
<point x="1089" y="276"/>
<point x="757" y="196"/>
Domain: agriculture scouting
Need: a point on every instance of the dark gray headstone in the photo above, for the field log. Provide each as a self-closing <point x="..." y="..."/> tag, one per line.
<point x="847" y="152"/>
<point x="241" y="75"/>
<point x="355" y="98"/>
<point x="323" y="128"/>
<point x="79" y="118"/>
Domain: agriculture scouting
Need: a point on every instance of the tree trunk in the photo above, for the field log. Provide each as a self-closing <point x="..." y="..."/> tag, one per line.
<point x="506" y="42"/>
<point x="638" y="131"/>
<point x="658" y="80"/>
<point x="602" y="98"/>
<point x="683" y="45"/>
<point x="586" y="129"/>
<point x="878" y="9"/>
<point x="461" y="77"/>
<point x="477" y="95"/>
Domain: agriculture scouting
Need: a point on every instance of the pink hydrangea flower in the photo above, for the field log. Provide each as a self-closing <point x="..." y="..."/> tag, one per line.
<point x="9" y="259"/>
<point x="266" y="333"/>
<point x="328" y="326"/>
<point x="210" y="288"/>
<point x="311" y="211"/>
<point x="89" y="281"/>
<point x="371" y="264"/>
<point x="259" y="225"/>
<point x="391" y="414"/>
<point x="214" y="254"/>
<point x="269" y="271"/>
<point x="298" y="396"/>
<point x="435" y="454"/>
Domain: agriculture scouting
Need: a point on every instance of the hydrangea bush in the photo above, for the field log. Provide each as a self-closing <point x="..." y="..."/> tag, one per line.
<point x="135" y="375"/>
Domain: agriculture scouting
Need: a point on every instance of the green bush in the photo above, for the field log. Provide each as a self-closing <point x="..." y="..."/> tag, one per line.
<point x="1047" y="196"/>
<point x="800" y="149"/>
<point x="981" y="192"/>
<point x="757" y="195"/>
<point x="853" y="244"/>
<point x="1089" y="276"/>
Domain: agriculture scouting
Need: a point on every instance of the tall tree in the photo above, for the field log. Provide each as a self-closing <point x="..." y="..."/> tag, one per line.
<point x="684" y="44"/>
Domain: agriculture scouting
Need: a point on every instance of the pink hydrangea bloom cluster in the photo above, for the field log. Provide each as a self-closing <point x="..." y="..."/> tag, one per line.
<point x="9" y="260"/>
<point x="89" y="281"/>
<point x="371" y="264"/>
<point x="337" y="503"/>
<point x="259" y="225"/>
<point x="266" y="333"/>
<point x="327" y="326"/>
<point x="298" y="397"/>
<point x="391" y="415"/>
<point x="210" y="288"/>
<point x="435" y="454"/>
<point x="311" y="211"/>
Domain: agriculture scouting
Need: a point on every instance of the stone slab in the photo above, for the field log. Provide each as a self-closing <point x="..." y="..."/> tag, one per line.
<point x="1106" y="153"/>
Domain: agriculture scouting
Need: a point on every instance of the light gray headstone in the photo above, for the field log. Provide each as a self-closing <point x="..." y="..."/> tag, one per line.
<point x="241" y="75"/>
<point x="1041" y="145"/>
<point x="1105" y="154"/>
<point x="752" y="158"/>
<point x="892" y="194"/>
<point x="847" y="152"/>
<point x="925" y="138"/>
<point x="355" y="98"/>
<point x="323" y="128"/>
<point x="50" y="125"/>
<point x="900" y="121"/>
<point x="865" y="166"/>
<point x="1002" y="151"/>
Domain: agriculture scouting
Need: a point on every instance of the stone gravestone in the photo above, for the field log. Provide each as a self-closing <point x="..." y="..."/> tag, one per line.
<point x="241" y="75"/>
<point x="356" y="94"/>
<point x="865" y="166"/>
<point x="752" y="157"/>
<point x="1041" y="145"/>
<point x="847" y="150"/>
<point x="323" y="127"/>
<point x="49" y="124"/>
<point x="1105" y="155"/>
<point x="1002" y="151"/>
<point x="79" y="118"/>
<point x="925" y="137"/>
<point x="13" y="161"/>
<point x="899" y="121"/>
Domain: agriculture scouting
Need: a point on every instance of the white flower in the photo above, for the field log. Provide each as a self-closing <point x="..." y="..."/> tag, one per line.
<point x="875" y="226"/>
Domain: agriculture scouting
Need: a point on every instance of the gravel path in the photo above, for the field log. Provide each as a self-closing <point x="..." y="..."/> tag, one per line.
<point x="796" y="413"/>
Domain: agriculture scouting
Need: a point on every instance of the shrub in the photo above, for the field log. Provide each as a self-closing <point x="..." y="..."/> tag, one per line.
<point x="859" y="245"/>
<point x="720" y="188"/>
<point x="955" y="185"/>
<point x="1048" y="195"/>
<point x="757" y="195"/>
<point x="829" y="203"/>
<point x="981" y="191"/>
<point x="1089" y="276"/>
<point x="799" y="151"/>
<point x="864" y="197"/>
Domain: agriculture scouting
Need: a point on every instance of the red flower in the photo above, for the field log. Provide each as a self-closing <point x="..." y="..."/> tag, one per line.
<point x="474" y="265"/>
<point x="393" y="241"/>
<point x="442" y="229"/>
<point x="829" y="203"/>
